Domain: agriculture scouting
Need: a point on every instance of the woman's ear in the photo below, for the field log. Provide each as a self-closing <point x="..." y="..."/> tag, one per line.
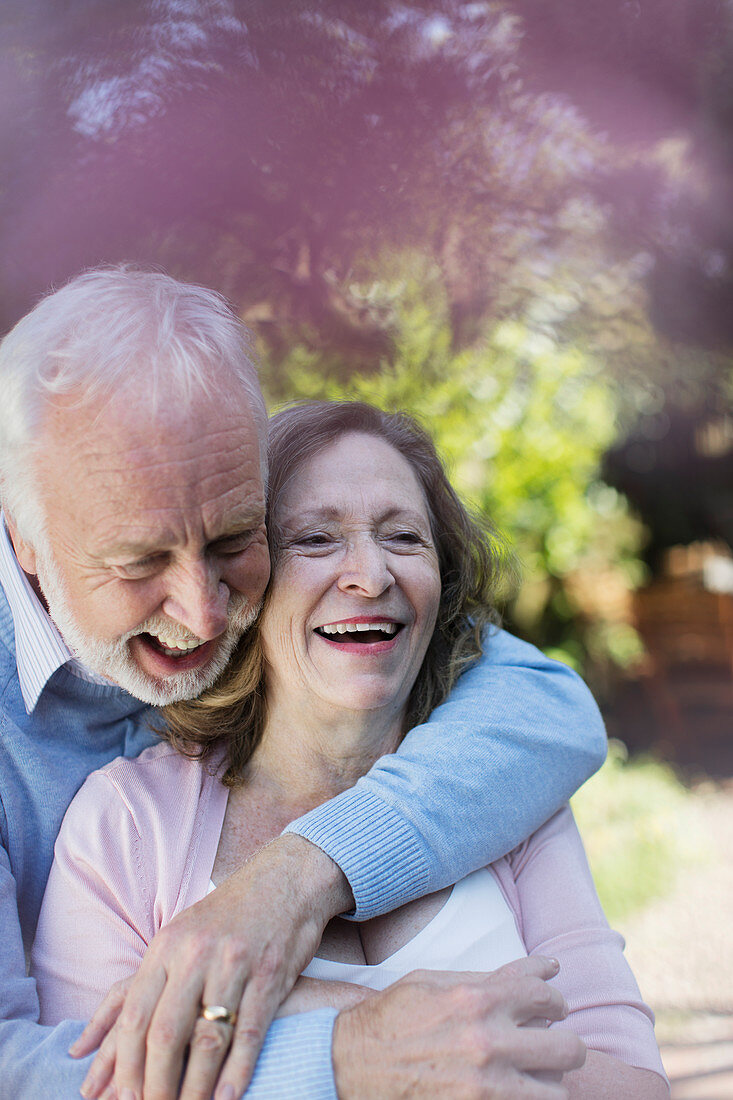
<point x="24" y="551"/>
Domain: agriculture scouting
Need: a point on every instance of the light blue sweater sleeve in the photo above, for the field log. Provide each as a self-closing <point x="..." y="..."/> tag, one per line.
<point x="295" y="1062"/>
<point x="517" y="736"/>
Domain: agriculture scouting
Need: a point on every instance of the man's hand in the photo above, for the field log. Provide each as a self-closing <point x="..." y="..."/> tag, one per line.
<point x="459" y="1035"/>
<point x="241" y="947"/>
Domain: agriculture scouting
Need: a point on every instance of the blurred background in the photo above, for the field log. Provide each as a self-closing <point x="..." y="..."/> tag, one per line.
<point x="512" y="219"/>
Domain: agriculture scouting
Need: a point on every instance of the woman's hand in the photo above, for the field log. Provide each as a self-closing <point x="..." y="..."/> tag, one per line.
<point x="308" y="994"/>
<point x="432" y="1035"/>
<point x="242" y="947"/>
<point x="101" y="1031"/>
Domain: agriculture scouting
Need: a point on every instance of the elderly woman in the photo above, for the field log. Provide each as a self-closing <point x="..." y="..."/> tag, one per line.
<point x="382" y="592"/>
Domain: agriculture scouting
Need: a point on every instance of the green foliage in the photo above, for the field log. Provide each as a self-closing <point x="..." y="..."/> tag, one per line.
<point x="639" y="828"/>
<point x="509" y="217"/>
<point x="522" y="420"/>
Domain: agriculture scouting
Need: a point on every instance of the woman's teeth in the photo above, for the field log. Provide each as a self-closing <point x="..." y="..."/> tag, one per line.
<point x="358" y="628"/>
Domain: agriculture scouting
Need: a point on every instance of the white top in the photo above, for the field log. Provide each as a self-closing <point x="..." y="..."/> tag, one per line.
<point x="474" y="930"/>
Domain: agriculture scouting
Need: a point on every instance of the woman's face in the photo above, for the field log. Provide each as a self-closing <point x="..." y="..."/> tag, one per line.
<point x="355" y="592"/>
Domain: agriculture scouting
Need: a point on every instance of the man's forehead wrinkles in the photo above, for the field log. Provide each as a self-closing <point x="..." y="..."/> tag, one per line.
<point x="229" y="509"/>
<point x="147" y="457"/>
<point x="141" y="540"/>
<point x="208" y="485"/>
<point x="147" y="442"/>
<point x="249" y="480"/>
<point x="140" y="526"/>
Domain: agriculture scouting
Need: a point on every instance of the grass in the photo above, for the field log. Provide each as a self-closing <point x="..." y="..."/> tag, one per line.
<point x="639" y="825"/>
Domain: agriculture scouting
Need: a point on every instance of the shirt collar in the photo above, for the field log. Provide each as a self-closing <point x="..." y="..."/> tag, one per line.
<point x="39" y="648"/>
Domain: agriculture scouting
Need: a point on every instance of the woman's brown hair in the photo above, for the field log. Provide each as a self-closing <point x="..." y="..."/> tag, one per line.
<point x="471" y="559"/>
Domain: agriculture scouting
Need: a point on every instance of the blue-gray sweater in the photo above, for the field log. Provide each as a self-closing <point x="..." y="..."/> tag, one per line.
<point x="517" y="736"/>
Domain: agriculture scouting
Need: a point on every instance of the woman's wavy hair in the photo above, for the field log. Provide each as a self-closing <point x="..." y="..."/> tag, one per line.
<point x="473" y="565"/>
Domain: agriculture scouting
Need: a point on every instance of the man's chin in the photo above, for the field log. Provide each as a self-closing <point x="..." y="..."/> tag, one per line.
<point x="158" y="691"/>
<point x="134" y="663"/>
<point x="158" y="679"/>
<point x="155" y="677"/>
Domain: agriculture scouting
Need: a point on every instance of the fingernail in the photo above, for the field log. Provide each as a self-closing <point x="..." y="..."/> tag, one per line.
<point x="226" y="1092"/>
<point x="554" y="964"/>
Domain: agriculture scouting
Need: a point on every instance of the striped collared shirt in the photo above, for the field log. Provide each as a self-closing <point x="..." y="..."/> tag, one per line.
<point x="39" y="648"/>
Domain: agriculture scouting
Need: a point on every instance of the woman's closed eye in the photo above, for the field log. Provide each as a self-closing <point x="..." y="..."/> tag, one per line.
<point x="405" y="539"/>
<point x="314" y="540"/>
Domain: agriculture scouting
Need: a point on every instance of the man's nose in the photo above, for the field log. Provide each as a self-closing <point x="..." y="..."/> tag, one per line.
<point x="198" y="599"/>
<point x="365" y="569"/>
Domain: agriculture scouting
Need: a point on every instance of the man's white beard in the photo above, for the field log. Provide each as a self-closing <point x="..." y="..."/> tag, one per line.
<point x="113" y="659"/>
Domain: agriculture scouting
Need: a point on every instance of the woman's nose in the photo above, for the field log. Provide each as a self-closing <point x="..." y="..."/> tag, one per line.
<point x="365" y="569"/>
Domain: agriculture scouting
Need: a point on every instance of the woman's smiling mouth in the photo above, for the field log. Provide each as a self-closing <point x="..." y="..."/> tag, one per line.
<point x="368" y="632"/>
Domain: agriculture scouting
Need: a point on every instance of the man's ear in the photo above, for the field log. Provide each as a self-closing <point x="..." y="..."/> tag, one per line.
<point x="24" y="552"/>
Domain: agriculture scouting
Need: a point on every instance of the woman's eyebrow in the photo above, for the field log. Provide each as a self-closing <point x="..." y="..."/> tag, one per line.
<point x="311" y="515"/>
<point x="332" y="512"/>
<point x="402" y="512"/>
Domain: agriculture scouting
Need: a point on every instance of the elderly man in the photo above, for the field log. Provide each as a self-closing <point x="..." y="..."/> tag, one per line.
<point x="133" y="554"/>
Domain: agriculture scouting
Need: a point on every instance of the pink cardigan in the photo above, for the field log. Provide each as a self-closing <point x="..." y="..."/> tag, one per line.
<point x="138" y="844"/>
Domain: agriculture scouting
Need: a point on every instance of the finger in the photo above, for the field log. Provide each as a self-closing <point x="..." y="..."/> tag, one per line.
<point x="102" y="1068"/>
<point x="532" y="998"/>
<point x="209" y="1045"/>
<point x="132" y="1027"/>
<point x="531" y="966"/>
<point x="211" y="1039"/>
<point x="556" y="1050"/>
<point x="102" y="1021"/>
<point x="256" y="1011"/>
<point x="169" y="1032"/>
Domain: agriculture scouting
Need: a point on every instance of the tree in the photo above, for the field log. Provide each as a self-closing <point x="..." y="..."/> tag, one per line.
<point x="523" y="421"/>
<point x="483" y="207"/>
<point x="273" y="149"/>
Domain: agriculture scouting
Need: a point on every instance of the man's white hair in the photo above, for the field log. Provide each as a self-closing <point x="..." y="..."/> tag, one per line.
<point x="105" y="331"/>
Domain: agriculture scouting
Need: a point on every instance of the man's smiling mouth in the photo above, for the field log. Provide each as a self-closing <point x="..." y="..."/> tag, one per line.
<point x="170" y="646"/>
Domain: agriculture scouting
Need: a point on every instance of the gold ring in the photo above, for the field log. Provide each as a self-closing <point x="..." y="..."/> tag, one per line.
<point x="218" y="1014"/>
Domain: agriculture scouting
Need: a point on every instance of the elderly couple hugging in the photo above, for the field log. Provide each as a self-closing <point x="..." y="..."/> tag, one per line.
<point x="348" y="812"/>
